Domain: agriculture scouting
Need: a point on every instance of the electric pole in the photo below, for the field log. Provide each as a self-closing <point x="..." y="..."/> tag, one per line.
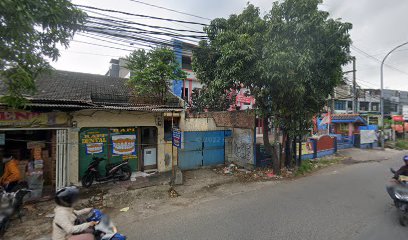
<point x="355" y="95"/>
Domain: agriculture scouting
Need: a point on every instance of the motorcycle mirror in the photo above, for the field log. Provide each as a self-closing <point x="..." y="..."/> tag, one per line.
<point x="392" y="170"/>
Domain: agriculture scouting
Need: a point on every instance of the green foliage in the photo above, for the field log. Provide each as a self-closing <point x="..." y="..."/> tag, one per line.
<point x="291" y="60"/>
<point x="231" y="56"/>
<point x="304" y="55"/>
<point x="30" y="32"/>
<point x="309" y="166"/>
<point x="402" y="144"/>
<point x="151" y="73"/>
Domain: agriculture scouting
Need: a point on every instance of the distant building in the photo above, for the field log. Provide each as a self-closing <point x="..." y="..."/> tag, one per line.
<point x="118" y="68"/>
<point x="184" y="54"/>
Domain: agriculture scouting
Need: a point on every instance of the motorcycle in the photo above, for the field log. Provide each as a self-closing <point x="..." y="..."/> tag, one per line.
<point x="116" y="171"/>
<point x="105" y="229"/>
<point x="10" y="203"/>
<point x="399" y="193"/>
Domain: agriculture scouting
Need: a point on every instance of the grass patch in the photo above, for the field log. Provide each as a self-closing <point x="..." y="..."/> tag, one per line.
<point x="402" y="144"/>
<point x="309" y="166"/>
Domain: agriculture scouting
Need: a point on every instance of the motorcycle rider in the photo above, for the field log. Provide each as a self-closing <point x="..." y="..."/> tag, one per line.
<point x="11" y="176"/>
<point x="404" y="169"/>
<point x="64" y="226"/>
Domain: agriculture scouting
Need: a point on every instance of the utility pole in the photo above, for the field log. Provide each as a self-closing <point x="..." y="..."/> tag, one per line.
<point x="382" y="92"/>
<point x="355" y="97"/>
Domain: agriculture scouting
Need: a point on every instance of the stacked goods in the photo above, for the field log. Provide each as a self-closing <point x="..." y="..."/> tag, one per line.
<point x="35" y="178"/>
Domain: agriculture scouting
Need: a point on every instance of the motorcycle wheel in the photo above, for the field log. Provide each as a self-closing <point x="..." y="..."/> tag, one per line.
<point x="403" y="219"/>
<point x="4" y="225"/>
<point x="87" y="179"/>
<point x="126" y="173"/>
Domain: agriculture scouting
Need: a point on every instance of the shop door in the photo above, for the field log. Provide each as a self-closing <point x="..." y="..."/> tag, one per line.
<point x="149" y="147"/>
<point x="62" y="159"/>
<point x="93" y="142"/>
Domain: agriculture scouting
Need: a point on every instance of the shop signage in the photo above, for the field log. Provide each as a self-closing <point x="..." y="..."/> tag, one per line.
<point x="32" y="119"/>
<point x="124" y="144"/>
<point x="176" y="139"/>
<point x="397" y="118"/>
<point x="243" y="99"/>
<point x="405" y="112"/>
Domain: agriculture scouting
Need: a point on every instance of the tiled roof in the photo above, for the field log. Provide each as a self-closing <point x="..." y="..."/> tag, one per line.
<point x="83" y="90"/>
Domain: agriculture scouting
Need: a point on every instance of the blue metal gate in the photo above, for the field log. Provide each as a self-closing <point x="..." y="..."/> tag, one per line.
<point x="202" y="149"/>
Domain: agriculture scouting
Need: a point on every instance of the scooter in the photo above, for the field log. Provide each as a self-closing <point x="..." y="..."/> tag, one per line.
<point x="105" y="229"/>
<point x="10" y="204"/>
<point x="116" y="171"/>
<point x="399" y="193"/>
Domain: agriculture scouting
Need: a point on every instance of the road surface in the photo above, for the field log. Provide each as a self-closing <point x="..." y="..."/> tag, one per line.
<point x="347" y="202"/>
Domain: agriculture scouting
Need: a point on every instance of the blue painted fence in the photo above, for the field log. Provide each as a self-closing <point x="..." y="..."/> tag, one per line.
<point x="202" y="149"/>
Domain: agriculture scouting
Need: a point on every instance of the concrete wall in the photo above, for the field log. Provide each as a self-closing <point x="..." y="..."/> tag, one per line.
<point x="97" y="118"/>
<point x="239" y="148"/>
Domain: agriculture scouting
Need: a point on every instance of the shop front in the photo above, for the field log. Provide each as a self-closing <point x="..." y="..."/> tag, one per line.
<point x="39" y="141"/>
<point x="117" y="136"/>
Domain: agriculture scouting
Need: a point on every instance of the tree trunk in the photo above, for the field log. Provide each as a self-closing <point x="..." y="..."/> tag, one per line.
<point x="300" y="152"/>
<point x="288" y="151"/>
<point x="294" y="144"/>
<point x="276" y="154"/>
<point x="265" y="132"/>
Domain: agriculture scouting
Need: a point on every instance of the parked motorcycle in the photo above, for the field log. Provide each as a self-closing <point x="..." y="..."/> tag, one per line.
<point x="10" y="204"/>
<point x="399" y="193"/>
<point x="105" y="229"/>
<point x="116" y="171"/>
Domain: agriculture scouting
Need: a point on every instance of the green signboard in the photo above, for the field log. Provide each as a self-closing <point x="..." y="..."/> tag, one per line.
<point x="112" y="144"/>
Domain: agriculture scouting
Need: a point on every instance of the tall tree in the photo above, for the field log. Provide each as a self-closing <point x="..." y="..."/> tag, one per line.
<point x="290" y="60"/>
<point x="31" y="31"/>
<point x="304" y="54"/>
<point x="152" y="72"/>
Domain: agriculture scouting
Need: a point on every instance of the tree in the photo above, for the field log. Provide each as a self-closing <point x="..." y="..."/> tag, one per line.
<point x="304" y="54"/>
<point x="152" y="72"/>
<point x="290" y="60"/>
<point x="31" y="31"/>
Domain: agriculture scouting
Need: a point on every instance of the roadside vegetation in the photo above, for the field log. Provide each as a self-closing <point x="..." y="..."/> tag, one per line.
<point x="402" y="144"/>
<point x="309" y="166"/>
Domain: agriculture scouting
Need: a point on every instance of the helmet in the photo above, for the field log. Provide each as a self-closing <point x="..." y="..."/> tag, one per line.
<point x="405" y="158"/>
<point x="67" y="196"/>
<point x="95" y="216"/>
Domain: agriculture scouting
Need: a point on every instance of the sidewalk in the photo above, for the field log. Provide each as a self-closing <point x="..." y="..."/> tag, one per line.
<point x="371" y="155"/>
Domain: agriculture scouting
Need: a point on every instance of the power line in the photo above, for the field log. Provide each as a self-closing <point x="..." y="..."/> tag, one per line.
<point x="145" y="25"/>
<point x="100" y="45"/>
<point x="172" y="10"/>
<point x="376" y="59"/>
<point x="140" y="15"/>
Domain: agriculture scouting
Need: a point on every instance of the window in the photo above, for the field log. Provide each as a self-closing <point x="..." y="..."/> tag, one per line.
<point x="340" y="105"/>
<point x="349" y="106"/>
<point x="186" y="63"/>
<point x="374" y="106"/>
<point x="364" y="106"/>
<point x="186" y="92"/>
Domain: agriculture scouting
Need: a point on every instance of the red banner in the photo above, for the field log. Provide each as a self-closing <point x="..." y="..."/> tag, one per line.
<point x="244" y="99"/>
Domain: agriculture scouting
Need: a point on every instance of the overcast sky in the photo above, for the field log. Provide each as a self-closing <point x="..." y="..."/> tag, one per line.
<point x="378" y="26"/>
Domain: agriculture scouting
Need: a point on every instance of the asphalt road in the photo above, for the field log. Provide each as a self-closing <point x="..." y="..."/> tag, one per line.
<point x="343" y="203"/>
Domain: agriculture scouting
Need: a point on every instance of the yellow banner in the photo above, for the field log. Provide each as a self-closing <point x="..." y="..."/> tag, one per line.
<point x="33" y="119"/>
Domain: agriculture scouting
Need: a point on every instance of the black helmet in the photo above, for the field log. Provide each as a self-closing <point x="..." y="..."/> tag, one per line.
<point x="67" y="196"/>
